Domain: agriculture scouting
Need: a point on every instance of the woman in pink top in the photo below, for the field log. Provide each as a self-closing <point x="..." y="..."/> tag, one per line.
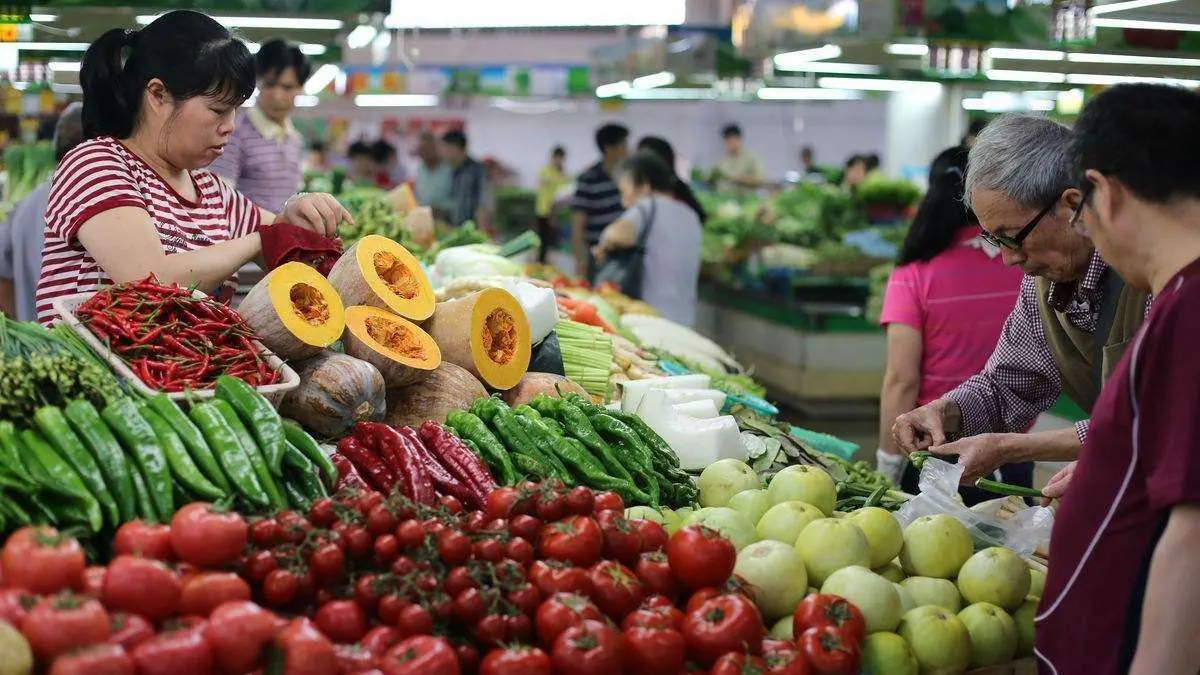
<point x="945" y="305"/>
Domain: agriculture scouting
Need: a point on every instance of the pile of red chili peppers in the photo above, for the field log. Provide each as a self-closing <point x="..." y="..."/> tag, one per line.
<point x="173" y="341"/>
<point x="420" y="463"/>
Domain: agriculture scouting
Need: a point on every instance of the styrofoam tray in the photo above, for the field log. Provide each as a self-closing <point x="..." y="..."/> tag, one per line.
<point x="66" y="306"/>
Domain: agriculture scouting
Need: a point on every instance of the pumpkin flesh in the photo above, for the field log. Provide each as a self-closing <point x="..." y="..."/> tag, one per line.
<point x="402" y="352"/>
<point x="379" y="272"/>
<point x="295" y="311"/>
<point x="485" y="332"/>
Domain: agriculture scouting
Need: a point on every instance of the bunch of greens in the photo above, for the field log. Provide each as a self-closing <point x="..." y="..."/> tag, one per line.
<point x="897" y="193"/>
<point x="809" y="214"/>
<point x="48" y="367"/>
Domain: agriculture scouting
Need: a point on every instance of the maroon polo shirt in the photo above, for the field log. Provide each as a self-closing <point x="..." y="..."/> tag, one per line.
<point x="1140" y="460"/>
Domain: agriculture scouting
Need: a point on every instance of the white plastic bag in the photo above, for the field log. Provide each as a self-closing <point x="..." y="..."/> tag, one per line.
<point x="1027" y="531"/>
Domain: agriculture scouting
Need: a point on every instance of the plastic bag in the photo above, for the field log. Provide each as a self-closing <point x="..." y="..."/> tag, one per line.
<point x="1026" y="532"/>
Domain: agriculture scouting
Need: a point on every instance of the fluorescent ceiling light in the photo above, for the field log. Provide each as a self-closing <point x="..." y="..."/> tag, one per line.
<point x="321" y="79"/>
<point x="361" y="36"/>
<point x="906" y="49"/>
<point x="1105" y="80"/>
<point x="307" y="49"/>
<point x="613" y="89"/>
<point x="52" y="46"/>
<point x="43" y="18"/>
<point x="672" y="94"/>
<point x="444" y="14"/>
<point x="1025" y="76"/>
<point x="395" y="100"/>
<point x="262" y="22"/>
<point x="64" y="66"/>
<point x="807" y="94"/>
<point x="1025" y="54"/>
<point x="1014" y="104"/>
<point x="1122" y="6"/>
<point x="864" y="84"/>
<point x="307" y="101"/>
<point x="789" y="60"/>
<point x="837" y="68"/>
<point x="1145" y="25"/>
<point x="1131" y="59"/>
<point x="662" y="79"/>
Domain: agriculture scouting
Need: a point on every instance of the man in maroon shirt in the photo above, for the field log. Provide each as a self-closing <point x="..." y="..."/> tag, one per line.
<point x="1123" y="593"/>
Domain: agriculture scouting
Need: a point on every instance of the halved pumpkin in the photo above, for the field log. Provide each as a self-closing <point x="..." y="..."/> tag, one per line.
<point x="402" y="352"/>
<point x="294" y="311"/>
<point x="378" y="272"/>
<point x="485" y="332"/>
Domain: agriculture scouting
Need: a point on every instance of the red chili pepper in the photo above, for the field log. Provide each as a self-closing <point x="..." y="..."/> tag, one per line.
<point x="348" y="476"/>
<point x="443" y="479"/>
<point x="151" y="335"/>
<point x="458" y="458"/>
<point x="368" y="464"/>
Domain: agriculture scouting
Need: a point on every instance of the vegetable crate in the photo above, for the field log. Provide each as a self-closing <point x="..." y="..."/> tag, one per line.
<point x="66" y="306"/>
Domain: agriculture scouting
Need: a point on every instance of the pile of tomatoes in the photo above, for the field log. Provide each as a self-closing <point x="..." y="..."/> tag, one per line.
<point x="543" y="580"/>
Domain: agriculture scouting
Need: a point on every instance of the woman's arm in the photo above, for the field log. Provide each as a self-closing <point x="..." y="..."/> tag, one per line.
<point x="126" y="245"/>
<point x="620" y="234"/>
<point x="901" y="380"/>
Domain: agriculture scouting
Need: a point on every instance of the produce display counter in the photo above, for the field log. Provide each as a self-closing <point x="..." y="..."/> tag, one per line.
<point x="803" y="348"/>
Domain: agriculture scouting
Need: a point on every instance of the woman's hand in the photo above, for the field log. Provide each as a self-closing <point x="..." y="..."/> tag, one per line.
<point x="1056" y="487"/>
<point x="599" y="253"/>
<point x="315" y="211"/>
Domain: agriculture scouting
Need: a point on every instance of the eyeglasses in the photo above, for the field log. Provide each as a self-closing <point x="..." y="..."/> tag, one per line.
<point x="1014" y="242"/>
<point x="1083" y="200"/>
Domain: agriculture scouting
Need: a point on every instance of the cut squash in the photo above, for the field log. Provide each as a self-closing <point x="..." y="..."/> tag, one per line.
<point x="294" y="311"/>
<point x="336" y="391"/>
<point x="378" y="272"/>
<point x="402" y="352"/>
<point x="486" y="333"/>
<point x="446" y="389"/>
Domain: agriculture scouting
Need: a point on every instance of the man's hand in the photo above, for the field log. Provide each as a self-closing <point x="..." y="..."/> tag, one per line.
<point x="1056" y="487"/>
<point x="924" y="427"/>
<point x="979" y="455"/>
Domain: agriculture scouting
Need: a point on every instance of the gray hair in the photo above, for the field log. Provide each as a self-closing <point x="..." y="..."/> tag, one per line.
<point x="1025" y="157"/>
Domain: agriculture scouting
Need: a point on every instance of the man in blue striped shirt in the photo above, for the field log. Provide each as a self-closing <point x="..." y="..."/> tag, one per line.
<point x="597" y="200"/>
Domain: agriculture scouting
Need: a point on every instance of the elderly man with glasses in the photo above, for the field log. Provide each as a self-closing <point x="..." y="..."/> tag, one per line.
<point x="1073" y="319"/>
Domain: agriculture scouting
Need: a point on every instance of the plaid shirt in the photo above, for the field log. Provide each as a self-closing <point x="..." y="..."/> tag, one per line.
<point x="1021" y="379"/>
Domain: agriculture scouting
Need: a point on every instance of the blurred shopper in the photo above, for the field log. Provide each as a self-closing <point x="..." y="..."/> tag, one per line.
<point x="973" y="130"/>
<point x="873" y="163"/>
<point x="1123" y="594"/>
<point x="135" y="199"/>
<point x="317" y="159"/>
<point x="809" y="171"/>
<point x="263" y="157"/>
<point x="21" y="235"/>
<point x="467" y="183"/>
<point x="740" y="172"/>
<point x="854" y="172"/>
<point x="669" y="231"/>
<point x="681" y="190"/>
<point x="434" y="176"/>
<point x="945" y="305"/>
<point x="363" y="169"/>
<point x="597" y="200"/>
<point x="388" y="172"/>
<point x="551" y="179"/>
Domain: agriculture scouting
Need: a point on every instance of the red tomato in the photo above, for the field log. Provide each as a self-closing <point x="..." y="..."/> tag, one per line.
<point x="387" y="549"/>
<point x="15" y="603"/>
<point x="368" y="589"/>
<point x="771" y="645"/>
<point x="205" y="536"/>
<point x="527" y="598"/>
<point x="204" y="592"/>
<point x="141" y="586"/>
<point x="823" y="609"/>
<point x="149" y="540"/>
<point x="379" y="640"/>
<point x="42" y="561"/>
<point x="727" y="623"/>
<point x="617" y="589"/>
<point x="280" y="587"/>
<point x="381" y="521"/>
<point x="735" y="663"/>
<point x="414" y="620"/>
<point x="653" y="651"/>
<point x="653" y="601"/>
<point x="490" y="549"/>
<point x="608" y="501"/>
<point x="266" y="532"/>
<point x="128" y="630"/>
<point x="472" y="605"/>
<point x="786" y="661"/>
<point x="458" y="580"/>
<point x="491" y="631"/>
<point x="520" y="550"/>
<point x="95" y="660"/>
<point x="93" y="580"/>
<point x="654" y="572"/>
<point x="561" y="611"/>
<point x="454" y="548"/>
<point x="525" y="527"/>
<point x="305" y="650"/>
<point x="621" y="540"/>
<point x="700" y="597"/>
<point x="577" y="540"/>
<point x="322" y="513"/>
<point x="421" y="655"/>
<point x="353" y="658"/>
<point x="700" y="556"/>
<point x="656" y="617"/>
<point x="327" y="561"/>
<point x="581" y="501"/>
<point x="518" y="660"/>
<point x="591" y="648"/>
<point x="238" y="631"/>
<point x="505" y="502"/>
<point x="828" y="652"/>
<point x="341" y="621"/>
<point x="519" y="627"/>
<point x="468" y="658"/>
<point x="553" y="577"/>
<point x="181" y="652"/>
<point x="551" y="506"/>
<point x="410" y="534"/>
<point x="259" y="564"/>
<point x="654" y="535"/>
<point x="62" y="622"/>
<point x="293" y="526"/>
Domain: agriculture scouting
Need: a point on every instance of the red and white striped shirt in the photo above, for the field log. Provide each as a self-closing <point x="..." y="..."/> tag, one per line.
<point x="102" y="174"/>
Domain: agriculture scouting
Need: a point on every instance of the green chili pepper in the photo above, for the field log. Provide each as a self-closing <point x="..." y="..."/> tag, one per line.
<point x="192" y="439"/>
<point x="578" y="426"/>
<point x="525" y="411"/>
<point x="259" y="415"/>
<point x="145" y="504"/>
<point x="229" y="451"/>
<point x="140" y="442"/>
<point x="296" y="497"/>
<point x="43" y="460"/>
<point x="917" y="459"/>
<point x="662" y="454"/>
<point x="996" y="487"/>
<point x="471" y="428"/>
<point x="296" y="435"/>
<point x="575" y="453"/>
<point x="613" y="428"/>
<point x="11" y="461"/>
<point x="545" y="406"/>
<point x="516" y="432"/>
<point x="299" y="470"/>
<point x="257" y="461"/>
<point x="55" y="428"/>
<point x="106" y="449"/>
<point x="182" y="467"/>
<point x="529" y="467"/>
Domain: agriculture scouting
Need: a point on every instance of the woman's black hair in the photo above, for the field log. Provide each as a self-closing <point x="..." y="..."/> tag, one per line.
<point x="942" y="212"/>
<point x="277" y="55"/>
<point x="682" y="191"/>
<point x="382" y="151"/>
<point x="360" y="149"/>
<point x="189" y="52"/>
<point x="647" y="168"/>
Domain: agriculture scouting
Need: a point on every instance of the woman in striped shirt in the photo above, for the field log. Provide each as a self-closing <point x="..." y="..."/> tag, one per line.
<point x="136" y="199"/>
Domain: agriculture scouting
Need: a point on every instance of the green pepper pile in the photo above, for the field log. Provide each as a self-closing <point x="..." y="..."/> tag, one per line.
<point x="94" y="468"/>
<point x="576" y="442"/>
<point x="859" y="485"/>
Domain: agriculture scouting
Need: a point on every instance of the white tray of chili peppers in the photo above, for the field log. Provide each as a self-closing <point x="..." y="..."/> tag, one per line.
<point x="165" y="338"/>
